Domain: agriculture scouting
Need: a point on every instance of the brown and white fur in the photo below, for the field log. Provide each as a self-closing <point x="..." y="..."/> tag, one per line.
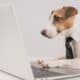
<point x="62" y="21"/>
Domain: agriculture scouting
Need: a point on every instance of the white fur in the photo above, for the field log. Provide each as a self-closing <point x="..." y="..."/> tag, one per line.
<point x="51" y="30"/>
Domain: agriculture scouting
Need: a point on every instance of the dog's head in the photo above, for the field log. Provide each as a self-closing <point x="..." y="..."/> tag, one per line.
<point x="61" y="19"/>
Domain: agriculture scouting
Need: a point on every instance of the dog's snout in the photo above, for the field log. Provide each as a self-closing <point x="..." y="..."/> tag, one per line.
<point x="43" y="32"/>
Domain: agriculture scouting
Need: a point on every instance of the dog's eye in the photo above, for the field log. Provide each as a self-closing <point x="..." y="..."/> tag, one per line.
<point x="57" y="18"/>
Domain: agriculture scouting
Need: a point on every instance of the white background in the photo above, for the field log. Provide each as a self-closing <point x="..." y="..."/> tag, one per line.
<point x="33" y="16"/>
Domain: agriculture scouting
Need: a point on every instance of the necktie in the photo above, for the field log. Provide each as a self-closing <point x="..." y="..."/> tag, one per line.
<point x="69" y="52"/>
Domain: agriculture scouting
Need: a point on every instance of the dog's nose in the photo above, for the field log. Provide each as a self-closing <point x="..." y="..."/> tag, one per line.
<point x="43" y="32"/>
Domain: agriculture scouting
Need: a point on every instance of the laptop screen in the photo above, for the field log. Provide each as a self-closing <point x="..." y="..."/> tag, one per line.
<point x="12" y="52"/>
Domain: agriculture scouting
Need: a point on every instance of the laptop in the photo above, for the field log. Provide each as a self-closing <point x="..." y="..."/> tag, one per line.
<point x="13" y="59"/>
<point x="54" y="73"/>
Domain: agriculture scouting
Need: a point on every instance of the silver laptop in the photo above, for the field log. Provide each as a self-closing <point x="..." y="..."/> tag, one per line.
<point x="53" y="73"/>
<point x="13" y="59"/>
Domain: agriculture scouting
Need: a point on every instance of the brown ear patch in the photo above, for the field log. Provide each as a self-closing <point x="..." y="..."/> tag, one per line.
<point x="70" y="11"/>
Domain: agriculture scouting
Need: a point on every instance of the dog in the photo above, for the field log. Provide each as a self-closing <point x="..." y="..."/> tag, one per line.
<point x="63" y="21"/>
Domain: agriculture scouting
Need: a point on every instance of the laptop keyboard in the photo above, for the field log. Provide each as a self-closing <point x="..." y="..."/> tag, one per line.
<point x="38" y="72"/>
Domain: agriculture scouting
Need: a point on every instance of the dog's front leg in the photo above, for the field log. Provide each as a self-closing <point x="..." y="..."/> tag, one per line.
<point x="58" y="63"/>
<point x="47" y="63"/>
<point x="53" y="63"/>
<point x="69" y="63"/>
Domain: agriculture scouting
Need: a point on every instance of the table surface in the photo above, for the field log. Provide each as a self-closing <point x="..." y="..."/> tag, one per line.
<point x="55" y="73"/>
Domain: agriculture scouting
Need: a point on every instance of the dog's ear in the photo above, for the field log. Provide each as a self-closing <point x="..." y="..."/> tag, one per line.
<point x="70" y="11"/>
<point x="52" y="12"/>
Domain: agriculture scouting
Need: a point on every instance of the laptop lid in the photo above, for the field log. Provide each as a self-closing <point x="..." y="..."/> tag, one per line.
<point x="13" y="57"/>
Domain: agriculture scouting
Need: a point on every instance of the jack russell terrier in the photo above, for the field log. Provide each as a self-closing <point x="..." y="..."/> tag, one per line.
<point x="64" y="21"/>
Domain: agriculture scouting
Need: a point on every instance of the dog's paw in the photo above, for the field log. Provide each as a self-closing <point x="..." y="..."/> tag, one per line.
<point x="40" y="61"/>
<point x="43" y="64"/>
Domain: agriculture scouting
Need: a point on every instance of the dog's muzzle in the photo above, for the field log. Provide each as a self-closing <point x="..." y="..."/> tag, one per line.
<point x="45" y="33"/>
<point x="49" y="32"/>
